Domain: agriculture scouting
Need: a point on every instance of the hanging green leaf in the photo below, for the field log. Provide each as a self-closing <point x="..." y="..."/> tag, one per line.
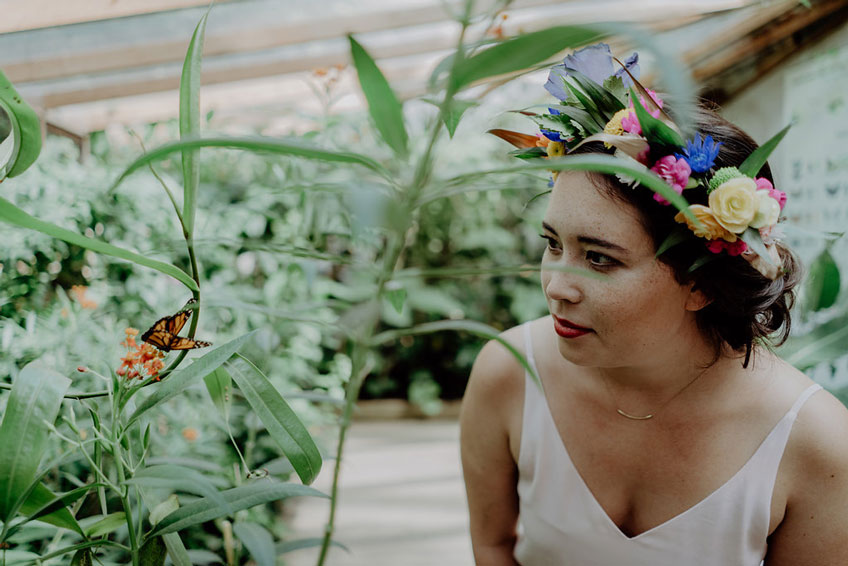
<point x="754" y="162"/>
<point x="255" y="143"/>
<point x="282" y="423"/>
<point x="383" y="105"/>
<point x="821" y="288"/>
<point x="396" y="295"/>
<point x="103" y="525"/>
<point x="13" y="215"/>
<point x="606" y="101"/>
<point x="258" y="541"/>
<point x="190" y="121"/>
<point x="219" y="384"/>
<point x="153" y="552"/>
<point x="82" y="557"/>
<point x="33" y="404"/>
<point x="41" y="496"/>
<point x="178" y="478"/>
<point x="242" y="497"/>
<point x="519" y="53"/>
<point x="20" y="132"/>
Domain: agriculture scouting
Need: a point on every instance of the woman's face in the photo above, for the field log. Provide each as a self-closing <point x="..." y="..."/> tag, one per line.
<point x="636" y="311"/>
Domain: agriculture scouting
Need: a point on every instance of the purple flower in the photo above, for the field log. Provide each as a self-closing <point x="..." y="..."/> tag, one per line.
<point x="595" y="62"/>
<point x="701" y="153"/>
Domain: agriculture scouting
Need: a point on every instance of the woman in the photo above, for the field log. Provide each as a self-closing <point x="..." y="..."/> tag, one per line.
<point x="663" y="431"/>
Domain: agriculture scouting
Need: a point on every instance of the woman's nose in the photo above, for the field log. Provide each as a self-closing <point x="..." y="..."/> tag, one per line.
<point x="563" y="285"/>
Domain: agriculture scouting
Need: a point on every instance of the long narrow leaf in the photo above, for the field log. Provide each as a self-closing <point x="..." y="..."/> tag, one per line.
<point x="184" y="377"/>
<point x="521" y="52"/>
<point x="282" y="423"/>
<point x="383" y="105"/>
<point x="470" y="326"/>
<point x="53" y="506"/>
<point x="600" y="163"/>
<point x="242" y="497"/>
<point x="14" y="215"/>
<point x="41" y="496"/>
<point x="754" y="162"/>
<point x="190" y="120"/>
<point x="33" y="404"/>
<point x="178" y="478"/>
<point x="252" y="143"/>
<point x="258" y="542"/>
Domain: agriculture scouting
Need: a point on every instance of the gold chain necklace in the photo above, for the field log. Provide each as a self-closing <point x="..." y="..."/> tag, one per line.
<point x="627" y="415"/>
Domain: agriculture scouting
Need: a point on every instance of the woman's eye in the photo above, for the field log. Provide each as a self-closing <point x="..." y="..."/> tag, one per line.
<point x="552" y="244"/>
<point x="600" y="260"/>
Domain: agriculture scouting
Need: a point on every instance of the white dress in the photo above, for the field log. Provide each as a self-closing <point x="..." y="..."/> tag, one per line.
<point x="561" y="522"/>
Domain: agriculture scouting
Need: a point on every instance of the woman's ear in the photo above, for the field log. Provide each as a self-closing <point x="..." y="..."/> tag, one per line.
<point x="696" y="299"/>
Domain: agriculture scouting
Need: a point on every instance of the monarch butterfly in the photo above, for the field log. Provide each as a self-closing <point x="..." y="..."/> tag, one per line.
<point x="163" y="333"/>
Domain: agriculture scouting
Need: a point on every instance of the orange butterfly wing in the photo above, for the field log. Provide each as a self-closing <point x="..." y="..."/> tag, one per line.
<point x="163" y="333"/>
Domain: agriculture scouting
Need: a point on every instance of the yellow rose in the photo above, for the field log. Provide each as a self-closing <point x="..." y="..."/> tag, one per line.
<point x="734" y="203"/>
<point x="768" y="210"/>
<point x="709" y="228"/>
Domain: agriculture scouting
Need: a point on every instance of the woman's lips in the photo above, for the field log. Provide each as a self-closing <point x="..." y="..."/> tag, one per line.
<point x="568" y="329"/>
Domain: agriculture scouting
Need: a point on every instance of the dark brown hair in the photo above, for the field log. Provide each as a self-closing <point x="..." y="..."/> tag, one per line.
<point x="745" y="306"/>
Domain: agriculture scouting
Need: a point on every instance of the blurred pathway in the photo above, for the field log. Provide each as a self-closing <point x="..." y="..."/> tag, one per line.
<point x="402" y="500"/>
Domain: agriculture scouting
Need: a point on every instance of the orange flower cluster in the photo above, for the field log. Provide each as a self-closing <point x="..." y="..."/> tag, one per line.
<point x="78" y="293"/>
<point x="141" y="359"/>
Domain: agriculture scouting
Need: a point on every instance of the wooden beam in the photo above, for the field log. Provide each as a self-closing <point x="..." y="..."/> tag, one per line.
<point x="22" y="15"/>
<point x="750" y="45"/>
<point x="256" y="25"/>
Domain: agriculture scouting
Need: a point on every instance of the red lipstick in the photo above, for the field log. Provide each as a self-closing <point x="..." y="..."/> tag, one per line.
<point x="568" y="329"/>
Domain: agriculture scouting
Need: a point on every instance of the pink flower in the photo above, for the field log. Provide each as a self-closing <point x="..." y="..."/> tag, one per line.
<point x="630" y="123"/>
<point x="779" y="196"/>
<point x="673" y="171"/>
<point x="734" y="249"/>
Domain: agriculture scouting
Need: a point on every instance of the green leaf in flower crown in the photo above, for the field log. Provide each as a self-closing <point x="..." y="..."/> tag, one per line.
<point x="655" y="130"/>
<point x="615" y="86"/>
<point x="751" y="236"/>
<point x="589" y="106"/>
<point x="676" y="236"/>
<point x="530" y="153"/>
<point x="701" y="261"/>
<point x="752" y="165"/>
<point x="605" y="101"/>
<point x="578" y="116"/>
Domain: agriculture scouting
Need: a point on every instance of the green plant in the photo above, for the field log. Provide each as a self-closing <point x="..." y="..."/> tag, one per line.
<point x="378" y="217"/>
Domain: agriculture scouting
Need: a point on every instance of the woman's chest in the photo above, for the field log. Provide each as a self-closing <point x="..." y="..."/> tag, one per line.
<point x="644" y="474"/>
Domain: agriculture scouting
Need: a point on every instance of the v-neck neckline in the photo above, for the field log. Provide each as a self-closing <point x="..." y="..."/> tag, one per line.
<point x="591" y="496"/>
<point x="691" y="509"/>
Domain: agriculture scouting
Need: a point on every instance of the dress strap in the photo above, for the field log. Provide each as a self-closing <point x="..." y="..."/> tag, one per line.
<point x="803" y="399"/>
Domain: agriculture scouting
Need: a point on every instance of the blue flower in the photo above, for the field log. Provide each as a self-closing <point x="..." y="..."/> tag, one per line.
<point x="595" y="62"/>
<point x="701" y="153"/>
<point x="552" y="135"/>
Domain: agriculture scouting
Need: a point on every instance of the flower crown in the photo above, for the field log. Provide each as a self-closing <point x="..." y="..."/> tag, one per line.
<point x="600" y="104"/>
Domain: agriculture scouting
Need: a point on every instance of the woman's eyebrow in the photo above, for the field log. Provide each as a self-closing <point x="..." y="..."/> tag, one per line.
<point x="588" y="240"/>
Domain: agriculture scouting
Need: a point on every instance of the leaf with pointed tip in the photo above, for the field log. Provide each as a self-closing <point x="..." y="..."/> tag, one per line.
<point x="517" y="139"/>
<point x="21" y="145"/>
<point x="655" y="130"/>
<point x="190" y="120"/>
<point x="41" y="496"/>
<point x="287" y="430"/>
<point x="181" y="379"/>
<point x="383" y="105"/>
<point x="295" y="148"/>
<point x="519" y="53"/>
<point x="258" y="542"/>
<point x="676" y="236"/>
<point x="754" y="162"/>
<point x="178" y="478"/>
<point x="13" y="215"/>
<point x="821" y="288"/>
<point x="605" y="101"/>
<point x="242" y="497"/>
<point x="219" y="384"/>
